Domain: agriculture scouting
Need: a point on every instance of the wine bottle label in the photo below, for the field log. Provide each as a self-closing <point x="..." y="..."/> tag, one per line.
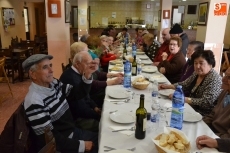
<point x="134" y="70"/>
<point x="144" y="124"/>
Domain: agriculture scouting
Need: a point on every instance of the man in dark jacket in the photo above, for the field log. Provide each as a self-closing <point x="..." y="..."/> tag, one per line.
<point x="85" y="111"/>
<point x="176" y="30"/>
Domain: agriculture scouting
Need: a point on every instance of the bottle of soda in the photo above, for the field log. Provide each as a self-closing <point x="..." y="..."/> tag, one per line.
<point x="177" y="108"/>
<point x="127" y="74"/>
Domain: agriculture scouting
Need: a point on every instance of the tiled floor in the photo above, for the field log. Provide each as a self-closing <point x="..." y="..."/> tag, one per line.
<point x="10" y="104"/>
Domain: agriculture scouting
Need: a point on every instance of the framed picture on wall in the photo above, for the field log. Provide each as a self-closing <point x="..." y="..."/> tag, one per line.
<point x="67" y="11"/>
<point x="8" y="16"/>
<point x="202" y="14"/>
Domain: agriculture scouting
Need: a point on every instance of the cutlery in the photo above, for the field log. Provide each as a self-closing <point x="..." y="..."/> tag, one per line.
<point x="131" y="129"/>
<point x="125" y="100"/>
<point x="110" y="149"/>
<point x="112" y="111"/>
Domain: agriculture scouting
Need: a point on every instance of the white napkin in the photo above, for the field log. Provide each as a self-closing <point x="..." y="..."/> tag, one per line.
<point x="207" y="150"/>
<point x="128" y="133"/>
<point x="168" y="107"/>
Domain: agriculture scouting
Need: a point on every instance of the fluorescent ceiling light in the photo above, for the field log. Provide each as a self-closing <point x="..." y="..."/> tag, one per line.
<point x="183" y="0"/>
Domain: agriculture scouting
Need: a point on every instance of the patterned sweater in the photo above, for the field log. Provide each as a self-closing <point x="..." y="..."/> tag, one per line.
<point x="206" y="94"/>
<point x="48" y="108"/>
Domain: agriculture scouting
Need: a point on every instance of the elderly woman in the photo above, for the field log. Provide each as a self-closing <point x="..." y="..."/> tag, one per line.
<point x="106" y="55"/>
<point x="100" y="79"/>
<point x="188" y="68"/>
<point x="204" y="84"/>
<point x="152" y="46"/>
<point x="171" y="66"/>
<point x="94" y="44"/>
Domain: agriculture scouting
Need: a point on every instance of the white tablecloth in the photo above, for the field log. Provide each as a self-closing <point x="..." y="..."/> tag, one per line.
<point x="121" y="141"/>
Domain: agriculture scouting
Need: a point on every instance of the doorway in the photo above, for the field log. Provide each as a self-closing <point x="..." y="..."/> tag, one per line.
<point x="27" y="23"/>
<point x="176" y="16"/>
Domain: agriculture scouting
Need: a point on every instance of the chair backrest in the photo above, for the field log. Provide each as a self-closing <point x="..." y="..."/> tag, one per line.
<point x="6" y="52"/>
<point x="2" y="64"/>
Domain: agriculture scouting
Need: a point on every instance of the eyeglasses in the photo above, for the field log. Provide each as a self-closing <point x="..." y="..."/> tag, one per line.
<point x="172" y="44"/>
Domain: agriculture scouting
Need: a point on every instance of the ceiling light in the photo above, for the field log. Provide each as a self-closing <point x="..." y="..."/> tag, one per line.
<point x="183" y="0"/>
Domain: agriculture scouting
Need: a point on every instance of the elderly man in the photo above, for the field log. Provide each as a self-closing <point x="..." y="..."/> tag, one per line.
<point x="85" y="111"/>
<point x="178" y="31"/>
<point x="164" y="47"/>
<point x="218" y="120"/>
<point x="46" y="106"/>
<point x="123" y="34"/>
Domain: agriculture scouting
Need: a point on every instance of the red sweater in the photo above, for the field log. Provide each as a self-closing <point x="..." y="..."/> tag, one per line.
<point x="164" y="48"/>
<point x="105" y="58"/>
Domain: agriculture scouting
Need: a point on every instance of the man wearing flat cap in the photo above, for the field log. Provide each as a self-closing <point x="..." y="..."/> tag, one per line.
<point x="219" y="119"/>
<point x="46" y="107"/>
<point x="176" y="30"/>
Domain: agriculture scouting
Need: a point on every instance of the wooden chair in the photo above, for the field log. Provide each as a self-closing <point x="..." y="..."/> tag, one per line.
<point x="50" y="146"/>
<point x="5" y="78"/>
<point x="11" y="62"/>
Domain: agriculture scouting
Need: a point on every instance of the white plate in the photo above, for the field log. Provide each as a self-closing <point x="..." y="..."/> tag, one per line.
<point x="192" y="116"/>
<point x="118" y="93"/>
<point x="120" y="151"/>
<point x="140" y="53"/>
<point x="149" y="69"/>
<point x="116" y="62"/>
<point x="122" y="117"/>
<point x="147" y="62"/>
<point x="166" y="92"/>
<point x="143" y="57"/>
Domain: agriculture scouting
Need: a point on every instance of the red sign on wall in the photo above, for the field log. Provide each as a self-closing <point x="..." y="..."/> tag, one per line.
<point x="220" y="9"/>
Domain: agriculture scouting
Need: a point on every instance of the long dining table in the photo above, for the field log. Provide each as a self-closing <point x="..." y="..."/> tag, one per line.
<point x="126" y="139"/>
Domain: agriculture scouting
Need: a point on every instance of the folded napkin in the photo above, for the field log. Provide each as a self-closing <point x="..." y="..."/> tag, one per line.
<point x="207" y="150"/>
<point x="168" y="107"/>
<point x="128" y="133"/>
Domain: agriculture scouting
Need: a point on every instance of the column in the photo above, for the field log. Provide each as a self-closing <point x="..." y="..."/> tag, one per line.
<point x="58" y="38"/>
<point x="211" y="27"/>
<point x="165" y="15"/>
<point x="83" y="15"/>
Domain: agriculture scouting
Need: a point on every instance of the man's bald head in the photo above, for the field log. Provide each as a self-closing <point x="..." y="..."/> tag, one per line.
<point x="165" y="34"/>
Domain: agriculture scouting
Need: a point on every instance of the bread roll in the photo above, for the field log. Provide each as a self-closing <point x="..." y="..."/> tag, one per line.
<point x="163" y="140"/>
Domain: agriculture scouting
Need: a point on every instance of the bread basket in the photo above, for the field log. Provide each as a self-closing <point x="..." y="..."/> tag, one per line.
<point x="178" y="133"/>
<point x="140" y="83"/>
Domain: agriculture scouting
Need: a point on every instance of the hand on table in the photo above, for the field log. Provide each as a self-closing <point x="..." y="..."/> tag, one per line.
<point x="88" y="146"/>
<point x="97" y="110"/>
<point x="162" y="70"/>
<point x="115" y="81"/>
<point x="206" y="141"/>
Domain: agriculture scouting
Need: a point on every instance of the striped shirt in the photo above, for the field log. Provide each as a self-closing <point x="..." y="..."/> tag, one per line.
<point x="44" y="106"/>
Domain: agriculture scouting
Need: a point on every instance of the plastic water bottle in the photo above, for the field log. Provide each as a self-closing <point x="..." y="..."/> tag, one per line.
<point x="134" y="49"/>
<point x="139" y="70"/>
<point x="127" y="74"/>
<point x="155" y="109"/>
<point x="177" y="108"/>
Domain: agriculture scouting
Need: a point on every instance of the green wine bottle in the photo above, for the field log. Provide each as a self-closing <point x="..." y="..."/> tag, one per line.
<point x="141" y="119"/>
<point x="134" y="66"/>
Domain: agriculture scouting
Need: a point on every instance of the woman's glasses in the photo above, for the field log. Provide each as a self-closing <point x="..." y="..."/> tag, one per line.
<point x="172" y="44"/>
